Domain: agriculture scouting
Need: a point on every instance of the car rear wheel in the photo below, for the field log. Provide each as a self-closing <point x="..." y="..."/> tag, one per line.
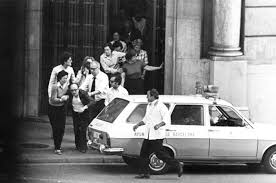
<point x="270" y="160"/>
<point x="158" y="166"/>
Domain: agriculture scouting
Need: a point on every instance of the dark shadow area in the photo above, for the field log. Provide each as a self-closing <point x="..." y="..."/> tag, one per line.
<point x="8" y="123"/>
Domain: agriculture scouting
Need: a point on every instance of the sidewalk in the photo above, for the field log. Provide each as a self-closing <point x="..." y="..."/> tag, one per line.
<point x="36" y="145"/>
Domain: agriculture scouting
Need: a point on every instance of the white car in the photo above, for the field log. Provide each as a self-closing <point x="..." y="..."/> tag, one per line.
<point x="202" y="130"/>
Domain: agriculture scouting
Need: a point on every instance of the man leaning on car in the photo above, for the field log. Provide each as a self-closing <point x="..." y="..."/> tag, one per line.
<point x="156" y="117"/>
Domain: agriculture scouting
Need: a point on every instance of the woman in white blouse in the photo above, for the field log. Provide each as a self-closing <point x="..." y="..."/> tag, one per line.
<point x="110" y="60"/>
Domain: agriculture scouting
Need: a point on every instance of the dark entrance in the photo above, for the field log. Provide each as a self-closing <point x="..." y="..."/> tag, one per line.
<point x="84" y="26"/>
<point x="153" y="11"/>
<point x="78" y="26"/>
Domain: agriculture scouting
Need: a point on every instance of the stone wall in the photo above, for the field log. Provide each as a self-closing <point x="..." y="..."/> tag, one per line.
<point x="260" y="51"/>
<point x="183" y="63"/>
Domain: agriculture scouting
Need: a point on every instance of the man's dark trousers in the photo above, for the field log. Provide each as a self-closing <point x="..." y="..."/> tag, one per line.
<point x="80" y="123"/>
<point x="156" y="146"/>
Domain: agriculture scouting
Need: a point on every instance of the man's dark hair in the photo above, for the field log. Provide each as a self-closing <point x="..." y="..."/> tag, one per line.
<point x="64" y="57"/>
<point x="153" y="92"/>
<point x="117" y="44"/>
<point x="130" y="53"/>
<point x="118" y="78"/>
<point x="61" y="74"/>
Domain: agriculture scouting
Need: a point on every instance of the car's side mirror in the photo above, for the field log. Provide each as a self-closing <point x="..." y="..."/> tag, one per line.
<point x="239" y="122"/>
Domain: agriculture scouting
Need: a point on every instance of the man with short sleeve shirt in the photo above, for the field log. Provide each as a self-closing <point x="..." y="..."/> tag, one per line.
<point x="156" y="118"/>
<point x="116" y="90"/>
<point x="96" y="84"/>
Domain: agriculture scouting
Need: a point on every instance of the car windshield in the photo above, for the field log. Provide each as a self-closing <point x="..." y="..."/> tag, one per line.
<point x="113" y="110"/>
<point x="224" y="116"/>
<point x="228" y="112"/>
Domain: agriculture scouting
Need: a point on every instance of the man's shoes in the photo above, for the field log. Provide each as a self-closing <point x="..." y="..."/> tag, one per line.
<point x="82" y="150"/>
<point x="142" y="176"/>
<point x="146" y="176"/>
<point x="58" y="152"/>
<point x="180" y="169"/>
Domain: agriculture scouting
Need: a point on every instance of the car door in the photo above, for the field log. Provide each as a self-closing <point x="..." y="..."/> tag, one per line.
<point x="187" y="133"/>
<point x="132" y="141"/>
<point x="231" y="137"/>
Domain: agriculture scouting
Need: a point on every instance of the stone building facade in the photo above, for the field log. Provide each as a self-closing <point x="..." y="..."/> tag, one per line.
<point x="229" y="43"/>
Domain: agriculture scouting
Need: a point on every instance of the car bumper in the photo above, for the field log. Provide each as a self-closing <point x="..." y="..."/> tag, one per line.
<point x="105" y="150"/>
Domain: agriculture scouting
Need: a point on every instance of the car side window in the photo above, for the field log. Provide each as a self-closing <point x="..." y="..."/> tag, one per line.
<point x="187" y="115"/>
<point x="137" y="114"/>
<point x="224" y="116"/>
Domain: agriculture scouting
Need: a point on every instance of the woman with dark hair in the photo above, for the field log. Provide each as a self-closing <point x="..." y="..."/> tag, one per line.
<point x="133" y="73"/>
<point x="57" y="109"/>
<point x="84" y="70"/>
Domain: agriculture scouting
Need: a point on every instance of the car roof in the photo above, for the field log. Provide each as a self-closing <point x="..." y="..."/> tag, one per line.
<point x="189" y="99"/>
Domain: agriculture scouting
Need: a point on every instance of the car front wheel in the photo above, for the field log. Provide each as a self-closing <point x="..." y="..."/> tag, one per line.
<point x="270" y="160"/>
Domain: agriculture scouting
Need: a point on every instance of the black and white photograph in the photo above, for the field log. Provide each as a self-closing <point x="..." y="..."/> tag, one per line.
<point x="124" y="91"/>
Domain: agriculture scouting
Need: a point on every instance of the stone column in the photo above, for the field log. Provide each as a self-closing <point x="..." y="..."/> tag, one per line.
<point x="228" y="69"/>
<point x="226" y="28"/>
<point x="33" y="51"/>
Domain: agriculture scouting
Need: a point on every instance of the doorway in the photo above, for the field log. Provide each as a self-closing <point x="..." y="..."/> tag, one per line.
<point x="153" y="13"/>
<point x="84" y="26"/>
<point x="78" y="26"/>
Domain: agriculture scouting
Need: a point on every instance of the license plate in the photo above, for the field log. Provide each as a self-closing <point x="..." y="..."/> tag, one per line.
<point x="96" y="134"/>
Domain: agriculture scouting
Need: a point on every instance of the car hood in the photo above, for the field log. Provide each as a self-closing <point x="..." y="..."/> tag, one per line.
<point x="266" y="131"/>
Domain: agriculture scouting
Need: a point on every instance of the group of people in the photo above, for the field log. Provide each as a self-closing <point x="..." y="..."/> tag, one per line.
<point x="87" y="93"/>
<point x="129" y="60"/>
<point x="120" y="72"/>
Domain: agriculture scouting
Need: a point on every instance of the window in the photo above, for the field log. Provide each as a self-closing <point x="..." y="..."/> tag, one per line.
<point x="137" y="114"/>
<point x="112" y="110"/>
<point x="224" y="116"/>
<point x="187" y="115"/>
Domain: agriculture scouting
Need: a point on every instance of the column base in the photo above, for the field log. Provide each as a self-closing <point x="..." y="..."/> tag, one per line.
<point x="225" y="52"/>
<point x="231" y="78"/>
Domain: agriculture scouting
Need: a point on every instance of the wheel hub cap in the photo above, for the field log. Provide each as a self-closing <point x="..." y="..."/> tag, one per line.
<point x="273" y="160"/>
<point x="156" y="163"/>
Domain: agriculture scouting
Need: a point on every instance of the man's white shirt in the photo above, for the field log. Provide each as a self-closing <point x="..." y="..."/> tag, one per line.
<point x="113" y="93"/>
<point x="101" y="85"/>
<point x="156" y="112"/>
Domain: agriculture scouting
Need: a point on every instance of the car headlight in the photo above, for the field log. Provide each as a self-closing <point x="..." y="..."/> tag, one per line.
<point x="102" y="147"/>
<point x="89" y="142"/>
